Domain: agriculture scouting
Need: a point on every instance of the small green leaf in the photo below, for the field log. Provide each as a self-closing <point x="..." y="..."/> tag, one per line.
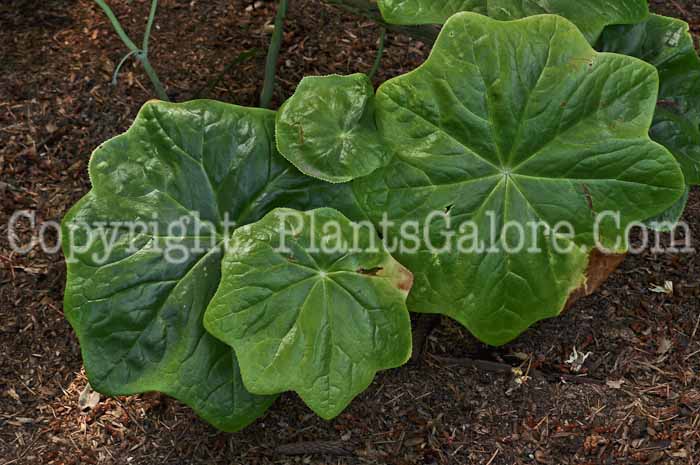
<point x="590" y="16"/>
<point x="667" y="44"/>
<point x="144" y="249"/>
<point x="313" y="305"/>
<point x="327" y="128"/>
<point x="518" y="122"/>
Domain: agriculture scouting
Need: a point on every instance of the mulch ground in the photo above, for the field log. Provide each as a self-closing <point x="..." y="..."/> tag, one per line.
<point x="635" y="399"/>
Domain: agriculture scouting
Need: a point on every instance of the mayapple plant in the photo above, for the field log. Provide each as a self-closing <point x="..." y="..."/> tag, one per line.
<point x="513" y="118"/>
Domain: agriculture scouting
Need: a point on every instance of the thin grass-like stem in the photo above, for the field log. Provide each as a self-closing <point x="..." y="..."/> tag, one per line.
<point x="380" y="52"/>
<point x="149" y="26"/>
<point x="273" y="54"/>
<point x="140" y="53"/>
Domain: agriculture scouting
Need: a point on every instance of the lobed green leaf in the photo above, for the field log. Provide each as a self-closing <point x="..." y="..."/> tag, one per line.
<point x="310" y="310"/>
<point x="327" y="128"/>
<point x="520" y="122"/>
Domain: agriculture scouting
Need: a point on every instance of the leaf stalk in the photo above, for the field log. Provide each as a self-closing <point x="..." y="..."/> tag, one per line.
<point x="273" y="54"/>
<point x="380" y="52"/>
<point x="141" y="54"/>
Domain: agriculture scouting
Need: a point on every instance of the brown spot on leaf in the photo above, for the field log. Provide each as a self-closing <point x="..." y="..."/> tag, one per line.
<point x="370" y="272"/>
<point x="589" y="198"/>
<point x="600" y="267"/>
<point x="406" y="283"/>
<point x="401" y="277"/>
<point x="404" y="278"/>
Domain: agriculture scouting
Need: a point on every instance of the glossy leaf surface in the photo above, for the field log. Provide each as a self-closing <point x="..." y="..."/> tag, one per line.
<point x="327" y="128"/>
<point x="667" y="44"/>
<point x="410" y="12"/>
<point x="136" y="294"/>
<point x="309" y="308"/>
<point x="519" y="122"/>
<point x="590" y="16"/>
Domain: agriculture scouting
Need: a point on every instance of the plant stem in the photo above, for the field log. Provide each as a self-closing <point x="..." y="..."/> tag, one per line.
<point x="380" y="52"/>
<point x="117" y="26"/>
<point x="119" y="66"/>
<point x="272" y="55"/>
<point x="141" y="54"/>
<point x="149" y="26"/>
<point x="160" y="90"/>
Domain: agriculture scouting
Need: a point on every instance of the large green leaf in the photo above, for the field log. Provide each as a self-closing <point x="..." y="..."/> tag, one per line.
<point x="327" y="128"/>
<point x="136" y="294"/>
<point x="667" y="44"/>
<point x="591" y="16"/>
<point x="515" y="121"/>
<point x="319" y="318"/>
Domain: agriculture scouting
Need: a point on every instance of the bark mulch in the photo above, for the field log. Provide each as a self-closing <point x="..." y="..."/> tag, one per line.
<point x="635" y="398"/>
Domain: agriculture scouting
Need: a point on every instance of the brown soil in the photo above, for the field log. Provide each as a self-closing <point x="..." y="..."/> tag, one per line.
<point x="635" y="400"/>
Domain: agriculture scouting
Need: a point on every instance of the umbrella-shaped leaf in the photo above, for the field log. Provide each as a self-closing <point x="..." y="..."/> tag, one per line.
<point x="144" y="249"/>
<point x="507" y="124"/>
<point x="591" y="16"/>
<point x="327" y="128"/>
<point x="311" y="304"/>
